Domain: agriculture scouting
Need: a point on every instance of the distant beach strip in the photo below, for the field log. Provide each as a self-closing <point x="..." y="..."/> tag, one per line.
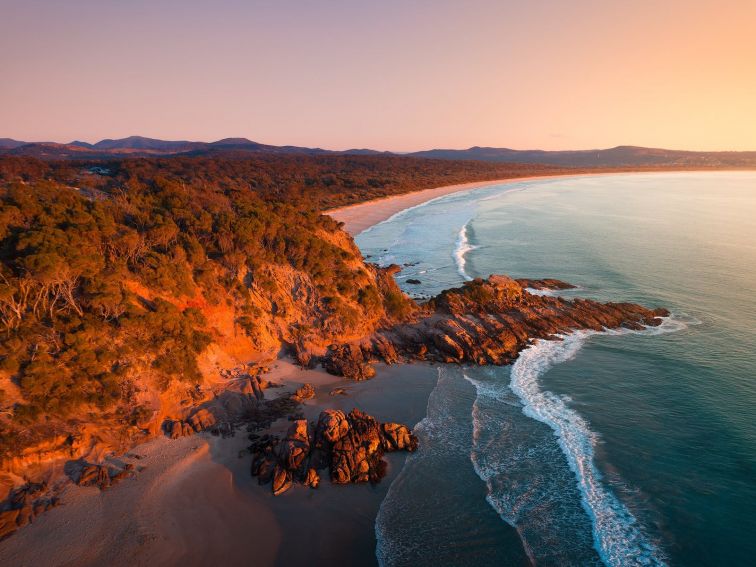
<point x="361" y="216"/>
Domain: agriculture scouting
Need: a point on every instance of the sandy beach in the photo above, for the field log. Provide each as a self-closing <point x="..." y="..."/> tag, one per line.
<point x="360" y="217"/>
<point x="195" y="503"/>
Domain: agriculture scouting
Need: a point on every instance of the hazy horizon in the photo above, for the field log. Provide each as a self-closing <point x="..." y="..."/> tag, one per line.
<point x="353" y="147"/>
<point x="395" y="76"/>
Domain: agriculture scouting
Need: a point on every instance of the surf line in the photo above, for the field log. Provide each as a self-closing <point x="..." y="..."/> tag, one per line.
<point x="461" y="249"/>
<point x="618" y="537"/>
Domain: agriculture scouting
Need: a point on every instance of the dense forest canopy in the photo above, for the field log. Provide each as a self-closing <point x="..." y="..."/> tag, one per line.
<point x="311" y="182"/>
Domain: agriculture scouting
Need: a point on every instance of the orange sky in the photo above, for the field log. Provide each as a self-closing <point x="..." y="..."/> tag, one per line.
<point x="397" y="75"/>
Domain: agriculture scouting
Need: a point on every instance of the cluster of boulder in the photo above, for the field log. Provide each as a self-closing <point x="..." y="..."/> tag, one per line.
<point x="23" y="505"/>
<point x="200" y="420"/>
<point x="351" y="446"/>
<point x="306" y="392"/>
<point x="33" y="498"/>
<point x="485" y="322"/>
<point x="254" y="385"/>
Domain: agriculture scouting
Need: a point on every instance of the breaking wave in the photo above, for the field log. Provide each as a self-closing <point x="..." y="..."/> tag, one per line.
<point x="618" y="537"/>
<point x="461" y="249"/>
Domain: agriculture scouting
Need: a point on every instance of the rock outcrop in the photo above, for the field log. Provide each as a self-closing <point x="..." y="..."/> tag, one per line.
<point x="549" y="284"/>
<point x="348" y="360"/>
<point x="176" y="428"/>
<point x="486" y="322"/>
<point x="306" y="392"/>
<point x="350" y="445"/>
<point x="253" y="386"/>
<point x="202" y="419"/>
<point x="102" y="476"/>
<point x="23" y="505"/>
<point x="398" y="437"/>
<point x="332" y="426"/>
<point x="357" y="456"/>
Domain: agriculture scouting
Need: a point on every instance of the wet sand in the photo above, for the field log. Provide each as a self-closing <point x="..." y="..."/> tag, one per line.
<point x="195" y="502"/>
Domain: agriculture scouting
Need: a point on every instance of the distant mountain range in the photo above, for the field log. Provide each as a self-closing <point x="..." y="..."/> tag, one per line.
<point x="138" y="146"/>
<point x="612" y="157"/>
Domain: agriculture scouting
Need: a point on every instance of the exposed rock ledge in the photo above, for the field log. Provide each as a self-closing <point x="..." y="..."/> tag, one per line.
<point x="485" y="322"/>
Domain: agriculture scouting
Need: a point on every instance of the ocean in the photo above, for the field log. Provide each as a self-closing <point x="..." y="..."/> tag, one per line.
<point x="616" y="448"/>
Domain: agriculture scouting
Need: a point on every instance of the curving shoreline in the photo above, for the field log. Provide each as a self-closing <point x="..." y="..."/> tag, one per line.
<point x="195" y="502"/>
<point x="359" y="217"/>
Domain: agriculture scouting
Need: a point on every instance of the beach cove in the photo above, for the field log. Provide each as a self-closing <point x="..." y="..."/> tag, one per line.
<point x="195" y="502"/>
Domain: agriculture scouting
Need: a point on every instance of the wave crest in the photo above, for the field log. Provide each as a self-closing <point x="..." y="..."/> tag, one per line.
<point x="618" y="537"/>
<point x="461" y="249"/>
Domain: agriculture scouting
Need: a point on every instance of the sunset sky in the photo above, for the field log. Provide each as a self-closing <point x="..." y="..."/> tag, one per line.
<point x="394" y="74"/>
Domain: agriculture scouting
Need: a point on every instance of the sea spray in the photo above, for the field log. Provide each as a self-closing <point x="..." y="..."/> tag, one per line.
<point x="450" y="197"/>
<point x="527" y="480"/>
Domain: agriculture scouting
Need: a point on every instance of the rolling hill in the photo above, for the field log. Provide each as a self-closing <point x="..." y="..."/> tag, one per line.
<point x="620" y="156"/>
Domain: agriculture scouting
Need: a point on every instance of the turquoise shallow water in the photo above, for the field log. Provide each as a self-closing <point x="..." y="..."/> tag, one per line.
<point x="629" y="449"/>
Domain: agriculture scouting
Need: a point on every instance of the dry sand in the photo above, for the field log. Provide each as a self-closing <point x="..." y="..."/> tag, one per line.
<point x="195" y="502"/>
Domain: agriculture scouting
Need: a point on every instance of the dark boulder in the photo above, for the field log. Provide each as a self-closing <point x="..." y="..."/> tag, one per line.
<point x="350" y="445"/>
<point x="348" y="360"/>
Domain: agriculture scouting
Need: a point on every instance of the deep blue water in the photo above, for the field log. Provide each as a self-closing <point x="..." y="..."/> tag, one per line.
<point x="621" y="449"/>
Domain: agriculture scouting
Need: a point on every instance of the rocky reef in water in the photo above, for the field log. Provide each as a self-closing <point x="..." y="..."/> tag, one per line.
<point x="485" y="322"/>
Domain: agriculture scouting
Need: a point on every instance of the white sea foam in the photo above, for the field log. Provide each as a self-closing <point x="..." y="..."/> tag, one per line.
<point x="548" y="292"/>
<point x="455" y="195"/>
<point x="461" y="249"/>
<point x="554" y="292"/>
<point x="618" y="537"/>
